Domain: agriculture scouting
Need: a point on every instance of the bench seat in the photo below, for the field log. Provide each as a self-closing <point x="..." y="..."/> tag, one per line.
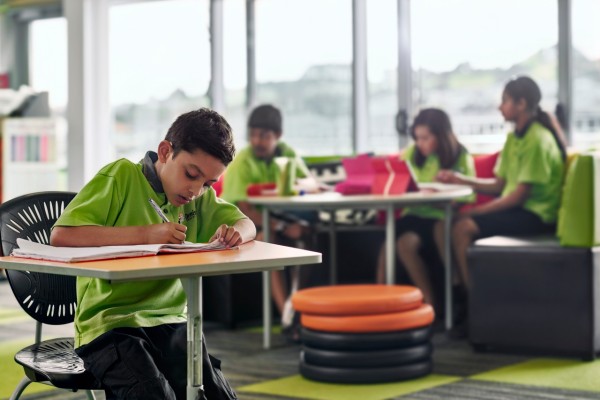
<point x="533" y="295"/>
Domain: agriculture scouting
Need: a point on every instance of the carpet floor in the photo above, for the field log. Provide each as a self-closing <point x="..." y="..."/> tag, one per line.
<point x="258" y="374"/>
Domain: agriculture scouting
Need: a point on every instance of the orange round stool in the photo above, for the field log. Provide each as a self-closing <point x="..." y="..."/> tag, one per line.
<point x="397" y="321"/>
<point x="363" y="313"/>
<point x="357" y="299"/>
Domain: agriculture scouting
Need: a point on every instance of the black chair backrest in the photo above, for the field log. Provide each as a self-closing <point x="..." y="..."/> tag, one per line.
<point x="48" y="298"/>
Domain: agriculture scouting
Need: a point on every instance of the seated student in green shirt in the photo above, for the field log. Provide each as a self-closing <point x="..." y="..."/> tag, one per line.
<point x="254" y="165"/>
<point x="528" y="177"/>
<point x="435" y="151"/>
<point x="132" y="336"/>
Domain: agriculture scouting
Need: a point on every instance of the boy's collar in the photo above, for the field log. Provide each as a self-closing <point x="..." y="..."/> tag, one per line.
<point x="277" y="153"/>
<point x="149" y="171"/>
<point x="278" y="150"/>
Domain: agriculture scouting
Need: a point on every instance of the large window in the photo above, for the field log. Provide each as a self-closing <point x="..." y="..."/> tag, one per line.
<point x="586" y="74"/>
<point x="464" y="52"/>
<point x="303" y="57"/>
<point x="234" y="65"/>
<point x="159" y="65"/>
<point x="48" y="61"/>
<point x="382" y="59"/>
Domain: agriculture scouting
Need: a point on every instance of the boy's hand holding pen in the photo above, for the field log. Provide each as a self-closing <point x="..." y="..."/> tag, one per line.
<point x="167" y="232"/>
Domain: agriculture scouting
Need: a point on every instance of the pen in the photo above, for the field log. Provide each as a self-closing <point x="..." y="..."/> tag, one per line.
<point x="158" y="210"/>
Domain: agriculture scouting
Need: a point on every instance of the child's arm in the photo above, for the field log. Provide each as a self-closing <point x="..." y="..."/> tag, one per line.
<point x="514" y="199"/>
<point x="492" y="186"/>
<point x="241" y="232"/>
<point x="88" y="235"/>
<point x="251" y="212"/>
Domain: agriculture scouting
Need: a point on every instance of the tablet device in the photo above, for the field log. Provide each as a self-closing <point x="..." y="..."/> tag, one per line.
<point x="392" y="176"/>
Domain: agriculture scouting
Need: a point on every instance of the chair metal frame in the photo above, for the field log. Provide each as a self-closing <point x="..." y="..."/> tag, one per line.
<point x="47" y="298"/>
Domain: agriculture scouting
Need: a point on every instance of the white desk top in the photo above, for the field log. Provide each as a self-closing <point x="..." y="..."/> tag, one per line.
<point x="333" y="200"/>
<point x="250" y="257"/>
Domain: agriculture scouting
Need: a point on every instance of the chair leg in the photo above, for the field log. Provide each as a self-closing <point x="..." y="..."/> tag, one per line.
<point x="90" y="395"/>
<point x="16" y="394"/>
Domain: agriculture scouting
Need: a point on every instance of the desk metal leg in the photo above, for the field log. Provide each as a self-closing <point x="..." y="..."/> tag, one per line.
<point x="448" y="262"/>
<point x="266" y="275"/>
<point x="193" y="290"/>
<point x="390" y="240"/>
<point x="332" y="249"/>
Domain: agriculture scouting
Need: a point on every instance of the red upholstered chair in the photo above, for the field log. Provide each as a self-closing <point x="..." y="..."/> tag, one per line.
<point x="484" y="168"/>
<point x="218" y="185"/>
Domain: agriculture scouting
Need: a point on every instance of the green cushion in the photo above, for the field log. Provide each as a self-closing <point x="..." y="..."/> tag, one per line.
<point x="576" y="214"/>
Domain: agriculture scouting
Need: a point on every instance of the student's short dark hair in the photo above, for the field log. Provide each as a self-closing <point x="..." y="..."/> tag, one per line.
<point x="202" y="129"/>
<point x="267" y="117"/>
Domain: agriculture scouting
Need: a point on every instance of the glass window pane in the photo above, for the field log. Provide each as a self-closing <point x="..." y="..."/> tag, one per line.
<point x="48" y="61"/>
<point x="586" y="72"/>
<point x="159" y="65"/>
<point x="235" y="71"/>
<point x="303" y="56"/>
<point x="465" y="51"/>
<point x="382" y="59"/>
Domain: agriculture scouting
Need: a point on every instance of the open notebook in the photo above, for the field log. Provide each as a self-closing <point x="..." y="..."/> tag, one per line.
<point x="29" y="249"/>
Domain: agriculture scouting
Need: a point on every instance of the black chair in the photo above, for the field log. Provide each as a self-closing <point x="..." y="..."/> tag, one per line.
<point x="47" y="298"/>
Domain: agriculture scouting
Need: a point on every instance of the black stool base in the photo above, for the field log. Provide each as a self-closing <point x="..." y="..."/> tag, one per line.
<point x="366" y="358"/>
<point x="365" y="375"/>
<point x="364" y="341"/>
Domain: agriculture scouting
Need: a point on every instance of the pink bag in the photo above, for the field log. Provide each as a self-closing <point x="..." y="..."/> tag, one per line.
<point x="359" y="175"/>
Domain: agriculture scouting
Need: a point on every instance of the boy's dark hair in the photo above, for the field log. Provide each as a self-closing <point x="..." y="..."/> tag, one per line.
<point x="523" y="87"/>
<point x="266" y="117"/>
<point x="202" y="129"/>
<point x="438" y="122"/>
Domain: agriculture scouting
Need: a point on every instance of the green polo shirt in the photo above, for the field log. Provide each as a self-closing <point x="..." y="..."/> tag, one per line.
<point x="247" y="169"/>
<point x="118" y="196"/>
<point x="534" y="159"/>
<point x="427" y="173"/>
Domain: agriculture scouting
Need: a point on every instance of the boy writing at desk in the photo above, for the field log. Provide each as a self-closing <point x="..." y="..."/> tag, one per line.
<point x="132" y="336"/>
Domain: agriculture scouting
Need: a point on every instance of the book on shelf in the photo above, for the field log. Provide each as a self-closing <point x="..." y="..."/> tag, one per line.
<point x="29" y="249"/>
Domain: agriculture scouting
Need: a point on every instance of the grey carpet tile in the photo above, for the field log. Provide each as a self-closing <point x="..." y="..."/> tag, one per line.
<point x="469" y="389"/>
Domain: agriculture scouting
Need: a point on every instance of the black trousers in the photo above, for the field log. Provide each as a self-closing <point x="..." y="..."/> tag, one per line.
<point x="149" y="363"/>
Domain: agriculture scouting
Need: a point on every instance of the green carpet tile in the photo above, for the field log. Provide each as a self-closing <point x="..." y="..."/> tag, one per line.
<point x="545" y="372"/>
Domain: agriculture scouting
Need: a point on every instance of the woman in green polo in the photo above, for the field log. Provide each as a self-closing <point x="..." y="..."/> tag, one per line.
<point x="528" y="176"/>
<point x="435" y="151"/>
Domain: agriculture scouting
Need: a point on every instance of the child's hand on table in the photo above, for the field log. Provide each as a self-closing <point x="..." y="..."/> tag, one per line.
<point x="227" y="235"/>
<point x="449" y="176"/>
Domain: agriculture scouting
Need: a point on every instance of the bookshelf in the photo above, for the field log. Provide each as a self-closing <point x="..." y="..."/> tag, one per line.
<point x="33" y="155"/>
